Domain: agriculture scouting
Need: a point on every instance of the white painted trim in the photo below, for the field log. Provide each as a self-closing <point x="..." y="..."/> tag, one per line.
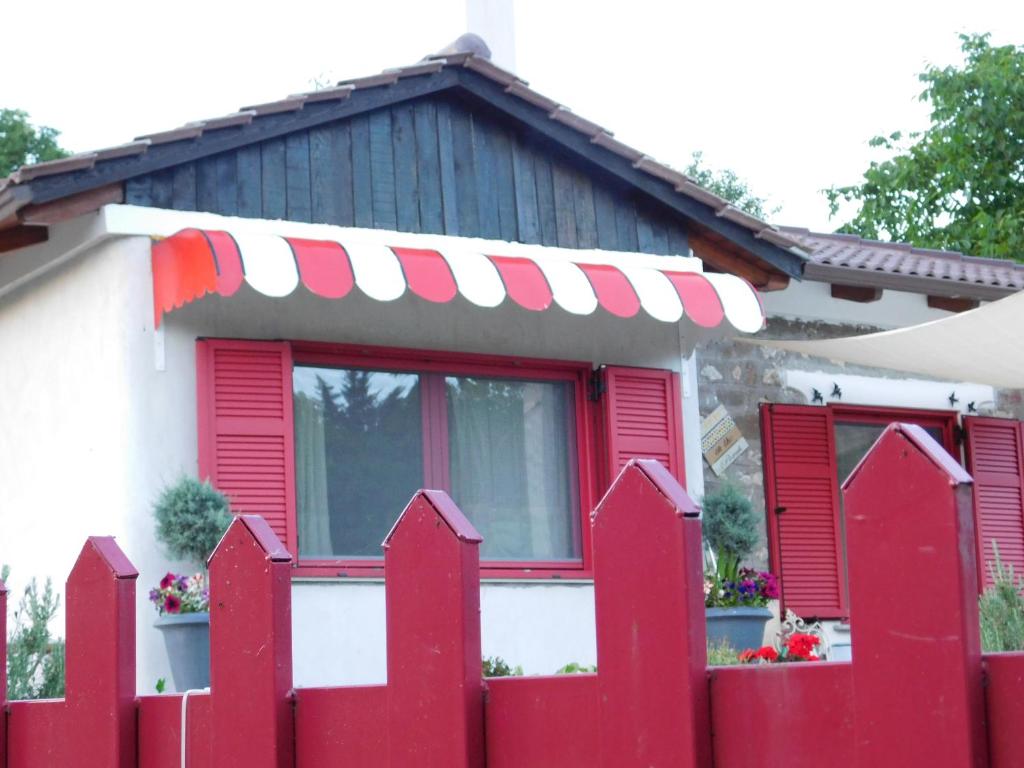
<point x="159" y="222"/>
<point x="893" y="393"/>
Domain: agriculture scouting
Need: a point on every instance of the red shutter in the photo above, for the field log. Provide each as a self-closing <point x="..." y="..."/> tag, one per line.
<point x="643" y="419"/>
<point x="995" y="460"/>
<point x="802" y="505"/>
<point x="246" y="433"/>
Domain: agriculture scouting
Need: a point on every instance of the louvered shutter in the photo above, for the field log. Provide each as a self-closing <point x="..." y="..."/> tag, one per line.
<point x="995" y="460"/>
<point x="643" y="419"/>
<point x="246" y="430"/>
<point x="802" y="500"/>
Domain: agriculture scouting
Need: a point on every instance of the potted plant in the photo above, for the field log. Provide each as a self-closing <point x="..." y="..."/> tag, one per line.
<point x="735" y="598"/>
<point x="191" y="516"/>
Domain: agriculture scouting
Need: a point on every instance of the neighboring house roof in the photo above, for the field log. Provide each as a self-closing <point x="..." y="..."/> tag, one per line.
<point x="851" y="260"/>
<point x="728" y="235"/>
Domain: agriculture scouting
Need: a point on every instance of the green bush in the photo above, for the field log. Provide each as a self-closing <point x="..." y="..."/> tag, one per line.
<point x="575" y="668"/>
<point x="730" y="523"/>
<point x="1002" y="610"/>
<point x="35" y="660"/>
<point x="721" y="654"/>
<point x="495" y="666"/>
<point x="191" y="516"/>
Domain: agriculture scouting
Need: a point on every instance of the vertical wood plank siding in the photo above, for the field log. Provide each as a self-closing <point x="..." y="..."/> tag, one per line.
<point x="430" y="165"/>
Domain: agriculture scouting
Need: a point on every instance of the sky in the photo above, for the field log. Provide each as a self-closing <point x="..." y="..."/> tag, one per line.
<point x="786" y="94"/>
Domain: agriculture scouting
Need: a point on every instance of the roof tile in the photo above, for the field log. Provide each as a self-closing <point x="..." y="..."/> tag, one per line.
<point x="334" y="93"/>
<point x="567" y="117"/>
<point x="51" y="167"/>
<point x="228" y="121"/>
<point x="612" y="144"/>
<point x="291" y="104"/>
<point x="519" y="88"/>
<point x="665" y="173"/>
<point x="856" y="253"/>
<point x="175" y="134"/>
<point x="372" y="81"/>
<point x="491" y="70"/>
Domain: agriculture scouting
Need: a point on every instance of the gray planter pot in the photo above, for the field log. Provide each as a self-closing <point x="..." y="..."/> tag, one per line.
<point x="187" y="639"/>
<point x="742" y="628"/>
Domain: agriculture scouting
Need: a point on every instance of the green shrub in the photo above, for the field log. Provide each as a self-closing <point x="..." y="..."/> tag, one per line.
<point x="191" y="516"/>
<point x="495" y="666"/>
<point x="721" y="654"/>
<point x="730" y="523"/>
<point x="1002" y="610"/>
<point x="575" y="668"/>
<point x="35" y="660"/>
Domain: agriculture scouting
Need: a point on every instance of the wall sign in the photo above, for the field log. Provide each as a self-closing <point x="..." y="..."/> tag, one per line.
<point x="721" y="441"/>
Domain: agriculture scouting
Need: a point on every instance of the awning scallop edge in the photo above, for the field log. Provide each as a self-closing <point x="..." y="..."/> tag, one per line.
<point x="195" y="262"/>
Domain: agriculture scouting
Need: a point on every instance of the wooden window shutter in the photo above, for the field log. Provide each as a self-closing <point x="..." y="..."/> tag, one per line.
<point x="643" y="419"/>
<point x="802" y="506"/>
<point x="246" y="428"/>
<point x="995" y="460"/>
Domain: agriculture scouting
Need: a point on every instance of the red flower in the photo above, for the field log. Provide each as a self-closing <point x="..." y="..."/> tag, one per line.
<point x="747" y="656"/>
<point x="172" y="604"/>
<point x="167" y="581"/>
<point x="769" y="654"/>
<point x="801" y="646"/>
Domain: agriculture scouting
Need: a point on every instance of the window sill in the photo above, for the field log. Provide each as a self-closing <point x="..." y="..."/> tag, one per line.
<point x="340" y="574"/>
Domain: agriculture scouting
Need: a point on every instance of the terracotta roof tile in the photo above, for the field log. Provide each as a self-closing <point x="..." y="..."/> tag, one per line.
<point x="51" y="167"/>
<point x="228" y="121"/>
<point x="519" y="88"/>
<point x="175" y="134"/>
<point x="858" y="255"/>
<point x="291" y="104"/>
<point x="431" y="64"/>
<point x="491" y="70"/>
<point x="567" y="117"/>
<point x="123" y="150"/>
<point x="372" y="81"/>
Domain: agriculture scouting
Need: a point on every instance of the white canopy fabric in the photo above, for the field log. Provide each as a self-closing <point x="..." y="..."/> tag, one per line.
<point x="984" y="346"/>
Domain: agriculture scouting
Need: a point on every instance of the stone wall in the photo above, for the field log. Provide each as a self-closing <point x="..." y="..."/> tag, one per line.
<point x="741" y="376"/>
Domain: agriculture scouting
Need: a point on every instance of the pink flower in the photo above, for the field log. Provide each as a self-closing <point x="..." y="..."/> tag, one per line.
<point x="172" y="604"/>
<point x="167" y="581"/>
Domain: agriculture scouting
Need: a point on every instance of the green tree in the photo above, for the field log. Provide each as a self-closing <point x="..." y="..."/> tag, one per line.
<point x="726" y="184"/>
<point x="35" y="660"/>
<point x="22" y="143"/>
<point x="959" y="184"/>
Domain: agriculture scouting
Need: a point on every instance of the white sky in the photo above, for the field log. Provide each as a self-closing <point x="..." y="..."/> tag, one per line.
<point x="786" y="93"/>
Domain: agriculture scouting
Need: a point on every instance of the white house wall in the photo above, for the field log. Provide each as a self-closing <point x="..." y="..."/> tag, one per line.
<point x="101" y="414"/>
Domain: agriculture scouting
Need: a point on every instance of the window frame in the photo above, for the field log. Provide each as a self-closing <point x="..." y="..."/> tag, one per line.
<point x="842" y="413"/>
<point x="402" y="360"/>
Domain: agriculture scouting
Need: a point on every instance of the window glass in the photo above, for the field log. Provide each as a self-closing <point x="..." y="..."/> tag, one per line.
<point x="854" y="440"/>
<point x="512" y="465"/>
<point x="358" y="457"/>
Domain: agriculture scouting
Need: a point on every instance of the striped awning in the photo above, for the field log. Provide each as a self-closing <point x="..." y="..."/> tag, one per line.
<point x="195" y="262"/>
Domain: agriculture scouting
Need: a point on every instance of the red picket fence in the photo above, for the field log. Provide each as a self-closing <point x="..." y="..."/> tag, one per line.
<point x="912" y="697"/>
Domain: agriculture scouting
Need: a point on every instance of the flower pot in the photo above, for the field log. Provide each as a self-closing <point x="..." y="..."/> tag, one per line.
<point x="740" y="627"/>
<point x="187" y="639"/>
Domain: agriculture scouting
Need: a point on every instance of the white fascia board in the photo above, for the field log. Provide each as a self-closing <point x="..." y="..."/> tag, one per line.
<point x="159" y="222"/>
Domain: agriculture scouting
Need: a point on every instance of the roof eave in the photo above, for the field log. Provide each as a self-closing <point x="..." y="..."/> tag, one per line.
<point x="900" y="281"/>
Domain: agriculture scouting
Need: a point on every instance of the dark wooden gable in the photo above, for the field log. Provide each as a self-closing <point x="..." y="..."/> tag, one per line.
<point x="438" y="164"/>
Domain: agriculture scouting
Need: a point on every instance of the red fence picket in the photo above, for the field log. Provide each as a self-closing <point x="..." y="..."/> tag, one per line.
<point x="3" y="674"/>
<point x="912" y="696"/>
<point x="251" y="648"/>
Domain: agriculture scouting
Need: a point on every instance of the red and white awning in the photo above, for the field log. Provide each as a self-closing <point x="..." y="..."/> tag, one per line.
<point x="194" y="262"/>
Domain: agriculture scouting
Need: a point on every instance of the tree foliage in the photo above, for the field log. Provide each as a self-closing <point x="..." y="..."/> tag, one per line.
<point x="35" y="660"/>
<point x="726" y="184"/>
<point x="1001" y="609"/>
<point x="22" y="143"/>
<point x="959" y="185"/>
<point x="191" y="516"/>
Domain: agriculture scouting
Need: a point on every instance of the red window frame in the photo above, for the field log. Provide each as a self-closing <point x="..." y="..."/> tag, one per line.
<point x="464" y="364"/>
<point x="945" y="420"/>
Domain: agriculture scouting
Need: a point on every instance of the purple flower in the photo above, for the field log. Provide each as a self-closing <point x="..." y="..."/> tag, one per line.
<point x="155" y="596"/>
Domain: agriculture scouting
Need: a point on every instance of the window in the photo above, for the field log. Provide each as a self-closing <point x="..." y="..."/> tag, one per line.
<point x="328" y="443"/>
<point x="808" y="452"/>
<point x="504" y="449"/>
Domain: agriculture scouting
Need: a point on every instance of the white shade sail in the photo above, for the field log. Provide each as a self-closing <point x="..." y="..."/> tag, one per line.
<point x="984" y="346"/>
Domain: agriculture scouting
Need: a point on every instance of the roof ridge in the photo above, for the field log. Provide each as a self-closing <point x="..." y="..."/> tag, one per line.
<point x="432" y="64"/>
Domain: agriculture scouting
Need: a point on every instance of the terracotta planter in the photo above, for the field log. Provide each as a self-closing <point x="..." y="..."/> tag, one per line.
<point x="187" y="639"/>
<point x="741" y="628"/>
